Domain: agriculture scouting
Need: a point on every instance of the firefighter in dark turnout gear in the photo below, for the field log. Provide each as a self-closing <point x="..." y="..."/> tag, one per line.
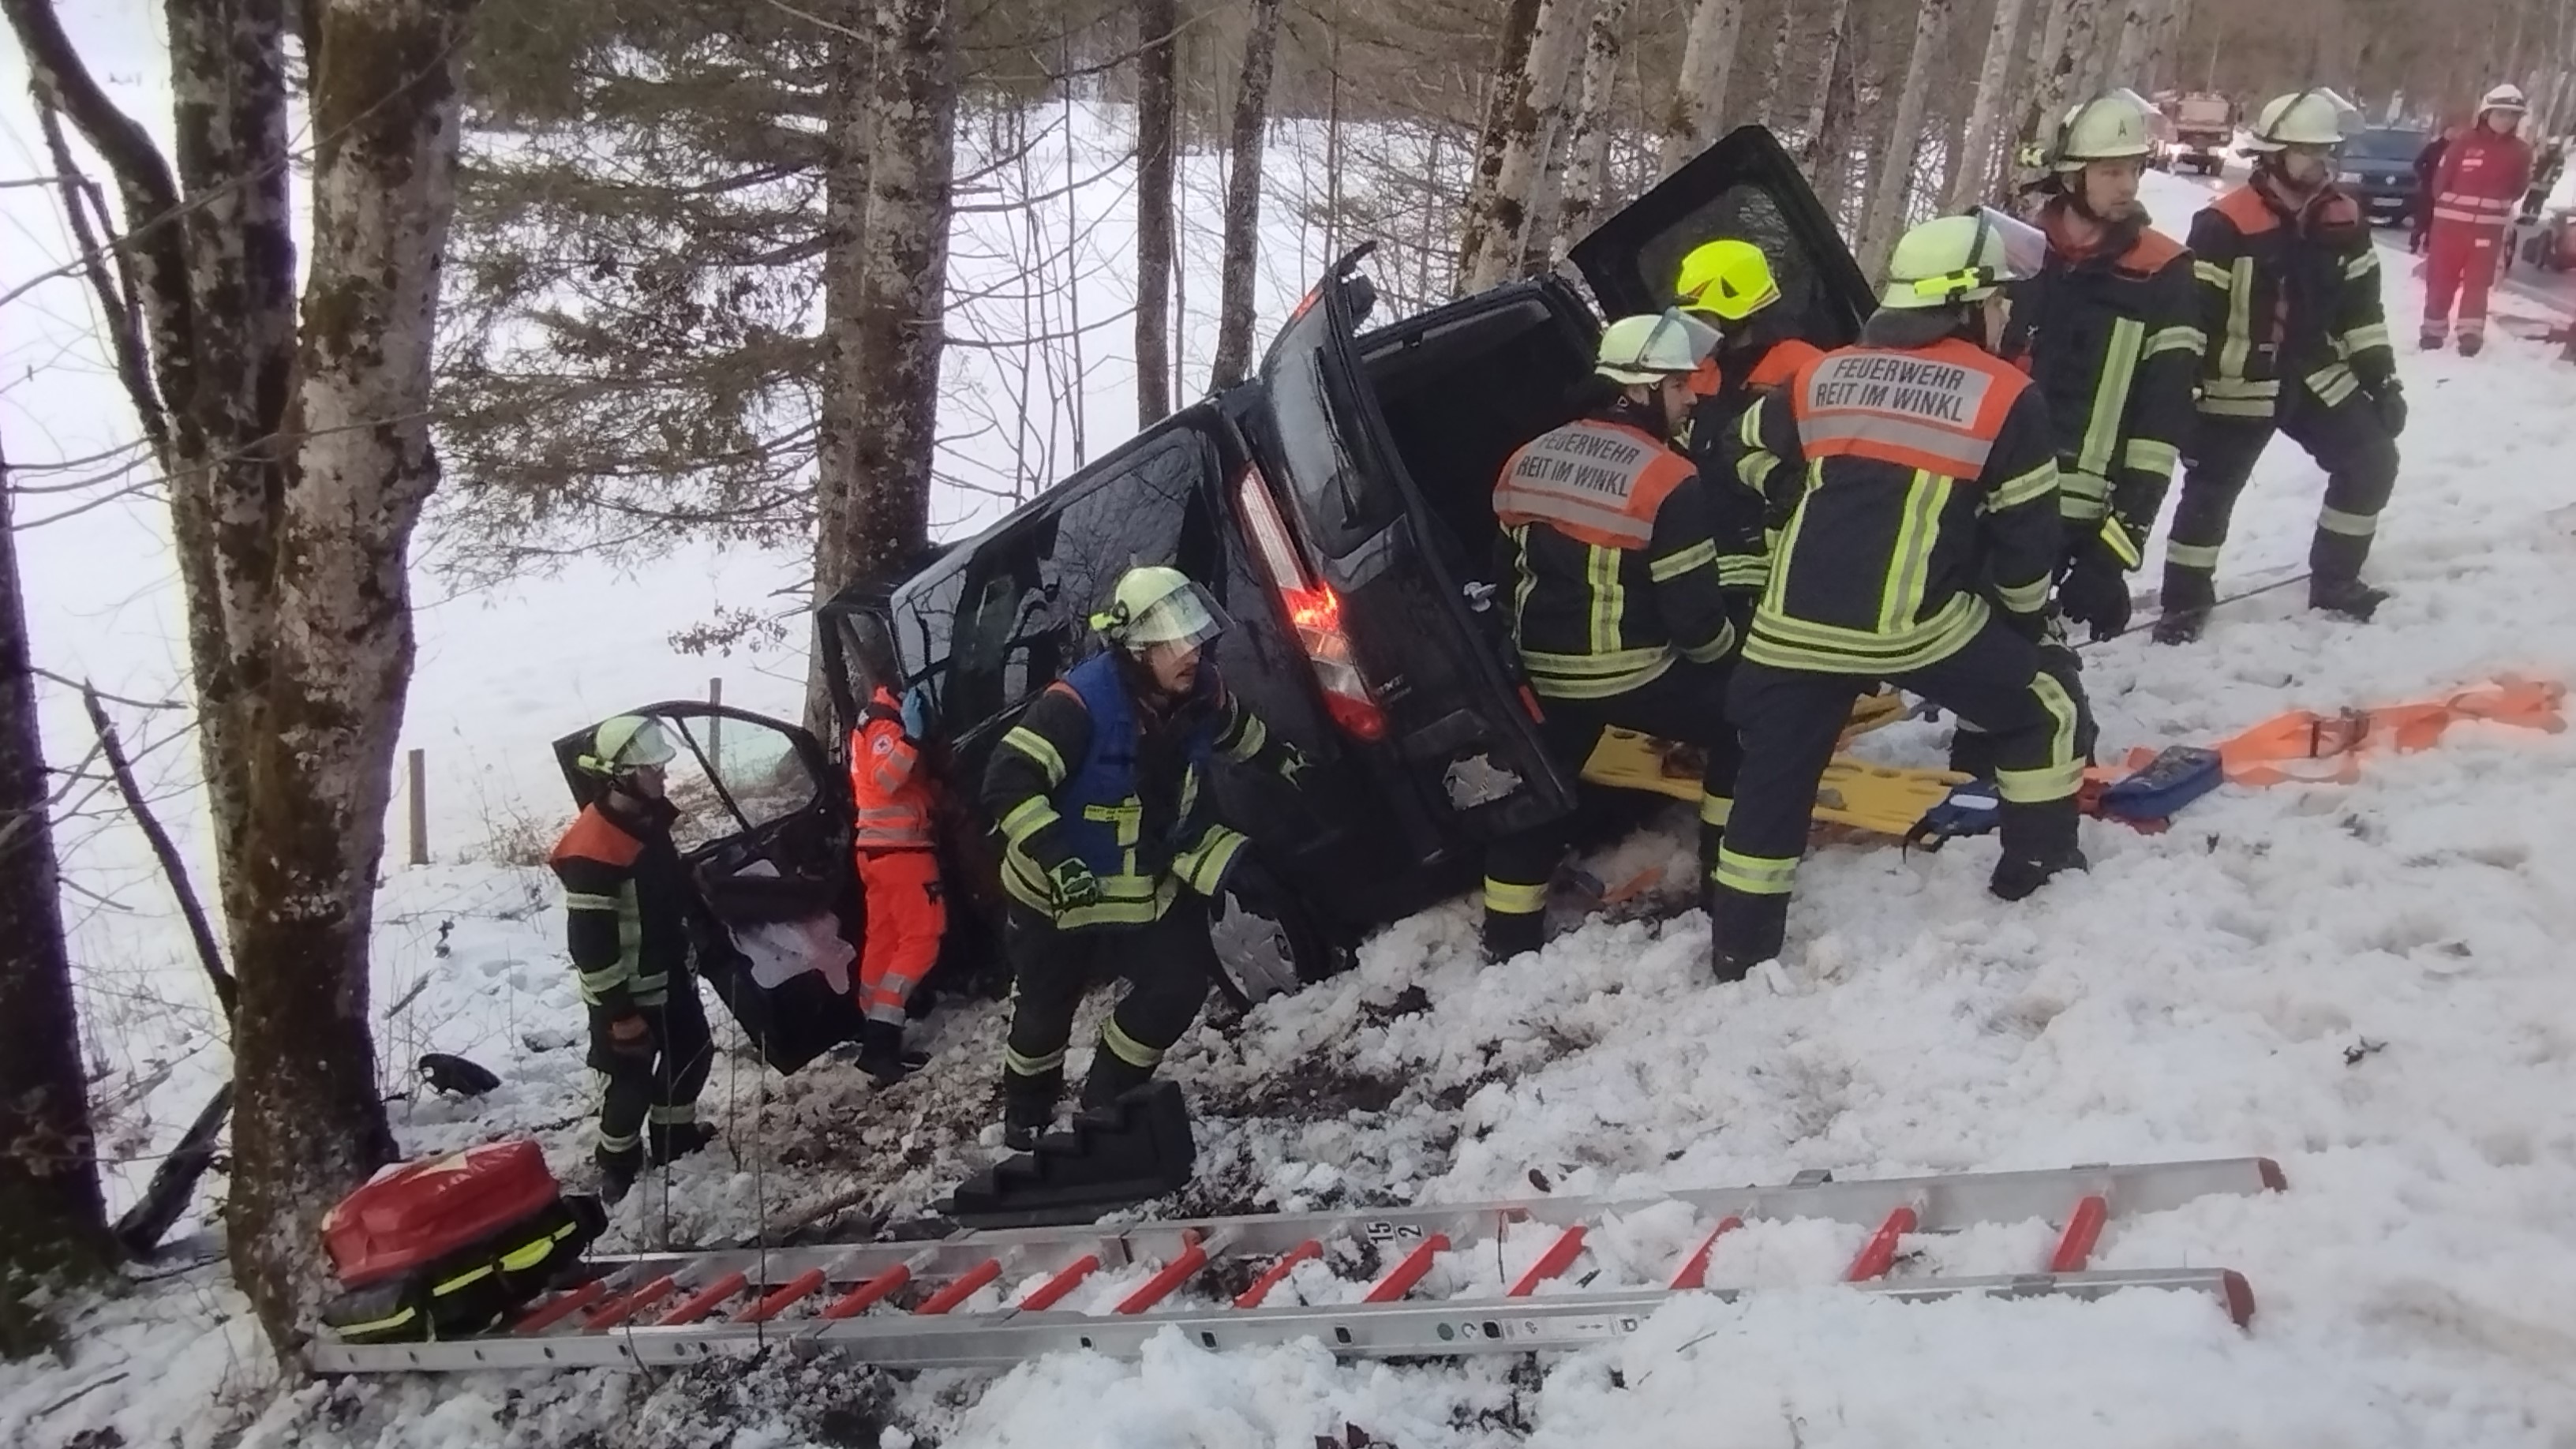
<point x="1616" y="561"/>
<point x="1728" y="284"/>
<point x="2296" y="342"/>
<point x="626" y="918"/>
<point x="1919" y="551"/>
<point x="1111" y="857"/>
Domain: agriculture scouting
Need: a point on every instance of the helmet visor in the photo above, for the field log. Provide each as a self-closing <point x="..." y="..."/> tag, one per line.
<point x="2024" y="247"/>
<point x="1184" y="618"/>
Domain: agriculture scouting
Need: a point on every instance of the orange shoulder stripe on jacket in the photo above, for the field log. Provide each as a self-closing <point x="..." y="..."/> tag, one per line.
<point x="2247" y="209"/>
<point x="1782" y="362"/>
<point x="2151" y="253"/>
<point x="594" y="836"/>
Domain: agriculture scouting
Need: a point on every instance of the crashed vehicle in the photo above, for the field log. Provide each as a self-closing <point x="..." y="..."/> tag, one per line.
<point x="1338" y="505"/>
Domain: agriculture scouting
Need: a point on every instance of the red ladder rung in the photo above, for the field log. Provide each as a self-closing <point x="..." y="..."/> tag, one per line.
<point x="1409" y="1272"/>
<point x="546" y="1315"/>
<point x="1559" y="1256"/>
<point x="1051" y="1292"/>
<point x="621" y="1309"/>
<point x="1879" y="1253"/>
<point x="2083" y="1230"/>
<point x="1175" y="1273"/>
<point x="856" y="1301"/>
<point x="1694" y="1273"/>
<point x="964" y="1288"/>
<point x="1271" y="1276"/>
<point x="777" y="1302"/>
<point x="703" y="1302"/>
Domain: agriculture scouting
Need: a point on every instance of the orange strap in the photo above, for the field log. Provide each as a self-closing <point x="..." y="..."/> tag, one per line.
<point x="2332" y="745"/>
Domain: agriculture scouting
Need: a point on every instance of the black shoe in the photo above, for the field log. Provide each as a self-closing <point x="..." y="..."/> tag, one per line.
<point x="881" y="1053"/>
<point x="1510" y="934"/>
<point x="2432" y="342"/>
<point x="1028" y="1108"/>
<point x="1111" y="1077"/>
<point x="2472" y="344"/>
<point x="2181" y="626"/>
<point x="670" y="1144"/>
<point x="1744" y="931"/>
<point x="2017" y="877"/>
<point x="2350" y="598"/>
<point x="617" y="1173"/>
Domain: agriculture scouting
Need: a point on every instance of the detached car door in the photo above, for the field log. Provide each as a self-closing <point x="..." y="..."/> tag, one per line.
<point x="1444" y="716"/>
<point x="764" y="833"/>
<point x="1745" y="187"/>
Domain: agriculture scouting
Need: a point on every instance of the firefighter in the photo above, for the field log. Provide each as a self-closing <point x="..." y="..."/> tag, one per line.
<point x="1923" y="469"/>
<point x="1110" y="857"/>
<point x="1728" y="285"/>
<point x="626" y="912"/>
<point x="1618" y="561"/>
<point x="2111" y="330"/>
<point x="2476" y="193"/>
<point x="2296" y="341"/>
<point x="894" y="838"/>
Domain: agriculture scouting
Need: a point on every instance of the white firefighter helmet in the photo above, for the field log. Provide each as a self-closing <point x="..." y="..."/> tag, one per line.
<point x="625" y="743"/>
<point x="1652" y="346"/>
<point x="2507" y="98"/>
<point x="1157" y="604"/>
<point x="2106" y="128"/>
<point x="1954" y="259"/>
<point x="2312" y="117"/>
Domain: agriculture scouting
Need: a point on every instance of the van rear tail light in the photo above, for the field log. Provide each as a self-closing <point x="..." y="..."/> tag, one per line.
<point x="1314" y="609"/>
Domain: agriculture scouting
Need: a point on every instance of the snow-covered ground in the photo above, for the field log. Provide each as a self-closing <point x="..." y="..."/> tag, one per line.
<point x="2196" y="994"/>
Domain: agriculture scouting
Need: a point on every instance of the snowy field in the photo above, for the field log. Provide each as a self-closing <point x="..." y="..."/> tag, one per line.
<point x="2196" y="995"/>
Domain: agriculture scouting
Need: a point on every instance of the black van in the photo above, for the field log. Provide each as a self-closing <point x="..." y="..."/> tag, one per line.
<point x="1338" y="506"/>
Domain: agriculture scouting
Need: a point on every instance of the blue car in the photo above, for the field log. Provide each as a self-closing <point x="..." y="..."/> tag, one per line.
<point x="2379" y="170"/>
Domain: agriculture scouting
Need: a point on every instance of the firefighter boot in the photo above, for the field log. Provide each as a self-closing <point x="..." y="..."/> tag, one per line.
<point x="617" y="1173"/>
<point x="2039" y="842"/>
<point x="2350" y="598"/>
<point x="1028" y="1107"/>
<point x="1111" y="1077"/>
<point x="2471" y="344"/>
<point x="1512" y="933"/>
<point x="2431" y="341"/>
<point x="881" y="1053"/>
<point x="669" y="1143"/>
<point x="2189" y="595"/>
<point x="1744" y="931"/>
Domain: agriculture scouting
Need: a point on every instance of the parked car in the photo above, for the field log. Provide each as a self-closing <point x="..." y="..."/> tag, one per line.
<point x="2204" y="127"/>
<point x="2379" y="171"/>
<point x="1338" y="505"/>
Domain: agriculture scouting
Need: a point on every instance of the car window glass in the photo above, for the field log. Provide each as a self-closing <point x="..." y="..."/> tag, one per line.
<point x="925" y="620"/>
<point x="2386" y="145"/>
<point x="1746" y="211"/>
<point x="1336" y="500"/>
<point x="758" y="766"/>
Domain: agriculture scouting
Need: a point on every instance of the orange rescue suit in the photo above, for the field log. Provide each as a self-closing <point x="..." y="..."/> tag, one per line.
<point x="896" y="845"/>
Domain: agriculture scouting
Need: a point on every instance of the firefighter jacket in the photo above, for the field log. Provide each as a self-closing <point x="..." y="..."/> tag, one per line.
<point x="2112" y="338"/>
<point x="888" y="787"/>
<point x="2287" y="293"/>
<point x="1725" y="391"/>
<point x="2481" y="179"/>
<point x="1087" y="774"/>
<point x="625" y="906"/>
<point x="1913" y="475"/>
<point x="1617" y="560"/>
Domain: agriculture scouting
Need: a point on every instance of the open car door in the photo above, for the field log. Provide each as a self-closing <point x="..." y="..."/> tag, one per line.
<point x="763" y="831"/>
<point x="1748" y="188"/>
<point x="1428" y="689"/>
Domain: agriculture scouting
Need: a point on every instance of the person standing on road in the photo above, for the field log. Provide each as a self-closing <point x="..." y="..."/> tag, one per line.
<point x="2476" y="193"/>
<point x="2297" y="343"/>
<point x="626" y="912"/>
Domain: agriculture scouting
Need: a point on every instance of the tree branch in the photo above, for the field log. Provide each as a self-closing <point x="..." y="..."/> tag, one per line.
<point x="120" y="310"/>
<point x="200" y="930"/>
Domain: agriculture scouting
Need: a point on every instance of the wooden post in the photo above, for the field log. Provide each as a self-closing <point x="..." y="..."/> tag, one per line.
<point x="715" y="727"/>
<point x="419" y="808"/>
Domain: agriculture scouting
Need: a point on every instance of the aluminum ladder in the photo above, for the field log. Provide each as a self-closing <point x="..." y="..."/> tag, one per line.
<point x="902" y="1304"/>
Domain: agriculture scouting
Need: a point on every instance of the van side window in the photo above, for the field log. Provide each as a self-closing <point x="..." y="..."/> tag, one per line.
<point x="1750" y="212"/>
<point x="925" y="623"/>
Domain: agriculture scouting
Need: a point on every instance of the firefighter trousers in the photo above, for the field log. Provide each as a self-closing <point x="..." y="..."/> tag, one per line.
<point x="1791" y="719"/>
<point x="658" y="1086"/>
<point x="907" y="915"/>
<point x="2347" y="439"/>
<point x="1169" y="964"/>
<point x="1687" y="705"/>
<point x="2461" y="260"/>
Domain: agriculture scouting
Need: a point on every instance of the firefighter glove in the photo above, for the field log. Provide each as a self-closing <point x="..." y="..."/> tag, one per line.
<point x="2391" y="402"/>
<point x="631" y="1036"/>
<point x="1072" y="885"/>
<point x="2096" y="592"/>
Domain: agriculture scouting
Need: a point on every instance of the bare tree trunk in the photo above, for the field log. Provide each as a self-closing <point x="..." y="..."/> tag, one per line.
<point x="2173" y="20"/>
<point x="1506" y="94"/>
<point x="1243" y="199"/>
<point x="2064" y="45"/>
<point x="1820" y="109"/>
<point x="49" y="1196"/>
<point x="1155" y="117"/>
<point x="1540" y="214"/>
<point x="1588" y="139"/>
<point x="1968" y="174"/>
<point x="1699" y="98"/>
<point x="1775" y="76"/>
<point x="1893" y="192"/>
<point x="1530" y="132"/>
<point x="838" y="537"/>
<point x="2129" y="57"/>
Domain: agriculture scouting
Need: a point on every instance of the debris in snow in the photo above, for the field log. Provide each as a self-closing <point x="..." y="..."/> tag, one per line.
<point x="2363" y="1047"/>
